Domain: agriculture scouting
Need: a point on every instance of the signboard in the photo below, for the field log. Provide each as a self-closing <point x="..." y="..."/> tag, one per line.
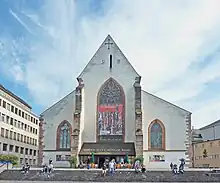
<point x="114" y="149"/>
<point x="157" y="158"/>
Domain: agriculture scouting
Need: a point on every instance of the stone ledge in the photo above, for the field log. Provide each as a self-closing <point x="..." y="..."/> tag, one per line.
<point x="120" y="176"/>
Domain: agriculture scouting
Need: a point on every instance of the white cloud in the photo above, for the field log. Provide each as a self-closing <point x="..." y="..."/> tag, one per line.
<point x="161" y="39"/>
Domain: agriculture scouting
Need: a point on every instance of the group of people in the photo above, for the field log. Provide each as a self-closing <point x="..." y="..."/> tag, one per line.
<point x="25" y="168"/>
<point x="110" y="166"/>
<point x="48" y="168"/>
<point x="175" y="169"/>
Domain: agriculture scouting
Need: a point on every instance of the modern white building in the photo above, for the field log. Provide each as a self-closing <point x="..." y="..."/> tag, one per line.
<point x="19" y="128"/>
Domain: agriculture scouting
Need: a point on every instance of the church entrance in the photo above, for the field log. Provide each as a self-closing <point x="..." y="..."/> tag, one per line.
<point x="109" y="151"/>
<point x="101" y="160"/>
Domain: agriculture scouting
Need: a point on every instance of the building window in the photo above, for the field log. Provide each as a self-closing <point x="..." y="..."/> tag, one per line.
<point x="22" y="138"/>
<point x="11" y="134"/>
<point x="16" y="110"/>
<point x="34" y="161"/>
<point x="0" y="102"/>
<point x="4" y="104"/>
<point x="16" y="149"/>
<point x="15" y="123"/>
<point x="19" y="124"/>
<point x="11" y="121"/>
<point x="6" y="133"/>
<point x="156" y="135"/>
<point x="18" y="137"/>
<point x="19" y="112"/>
<point x="12" y="108"/>
<point x="15" y="135"/>
<point x="21" y="160"/>
<point x="8" y="106"/>
<point x="35" y="152"/>
<point x="210" y="144"/>
<point x="7" y="119"/>
<point x="25" y="139"/>
<point x="3" y="117"/>
<point x="5" y="147"/>
<point x="11" y="148"/>
<point x="31" y="151"/>
<point x="21" y="150"/>
<point x="26" y="151"/>
<point x="22" y="114"/>
<point x="2" y="132"/>
<point x="63" y="135"/>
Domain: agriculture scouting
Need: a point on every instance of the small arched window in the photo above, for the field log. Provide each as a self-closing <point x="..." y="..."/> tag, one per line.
<point x="64" y="135"/>
<point x="156" y="138"/>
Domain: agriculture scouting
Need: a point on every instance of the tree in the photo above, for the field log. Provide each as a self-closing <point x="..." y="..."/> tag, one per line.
<point x="73" y="161"/>
<point x="205" y="153"/>
<point x="9" y="158"/>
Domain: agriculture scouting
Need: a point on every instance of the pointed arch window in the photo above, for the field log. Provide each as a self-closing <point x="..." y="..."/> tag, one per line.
<point x="156" y="135"/>
<point x="64" y="135"/>
<point x="110" y="112"/>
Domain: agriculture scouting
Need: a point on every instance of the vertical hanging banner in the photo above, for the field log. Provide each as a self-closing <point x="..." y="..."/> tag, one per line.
<point x="110" y="122"/>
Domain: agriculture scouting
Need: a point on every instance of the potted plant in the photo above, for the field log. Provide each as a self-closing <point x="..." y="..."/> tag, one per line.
<point x="73" y="161"/>
<point x="140" y="158"/>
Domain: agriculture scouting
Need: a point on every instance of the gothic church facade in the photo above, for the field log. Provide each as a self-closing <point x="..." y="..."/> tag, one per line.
<point x="109" y="115"/>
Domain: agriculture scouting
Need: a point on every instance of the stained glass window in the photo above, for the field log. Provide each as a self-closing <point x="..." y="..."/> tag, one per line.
<point x="64" y="136"/>
<point x="156" y="136"/>
<point x="110" y="111"/>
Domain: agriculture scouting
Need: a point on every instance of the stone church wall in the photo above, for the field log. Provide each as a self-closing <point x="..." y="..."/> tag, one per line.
<point x="94" y="76"/>
<point x="173" y="119"/>
<point x="62" y="110"/>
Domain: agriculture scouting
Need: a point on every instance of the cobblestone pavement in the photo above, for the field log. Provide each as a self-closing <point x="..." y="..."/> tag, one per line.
<point x="94" y="176"/>
<point x="64" y="181"/>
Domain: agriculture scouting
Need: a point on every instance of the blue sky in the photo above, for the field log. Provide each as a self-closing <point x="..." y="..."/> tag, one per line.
<point x="173" y="45"/>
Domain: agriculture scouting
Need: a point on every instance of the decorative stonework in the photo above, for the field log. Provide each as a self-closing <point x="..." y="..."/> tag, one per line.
<point x="188" y="142"/>
<point x="76" y="118"/>
<point x="41" y="141"/>
<point x="138" y="118"/>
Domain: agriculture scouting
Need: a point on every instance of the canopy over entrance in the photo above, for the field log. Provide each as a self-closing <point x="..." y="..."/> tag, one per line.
<point x="108" y="149"/>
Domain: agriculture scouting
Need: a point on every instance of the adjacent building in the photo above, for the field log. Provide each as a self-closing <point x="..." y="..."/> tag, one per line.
<point x="207" y="154"/>
<point x="19" y="128"/>
<point x="206" y="146"/>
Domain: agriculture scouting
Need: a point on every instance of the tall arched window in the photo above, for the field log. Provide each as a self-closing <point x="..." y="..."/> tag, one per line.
<point x="156" y="135"/>
<point x="110" y="111"/>
<point x="64" y="135"/>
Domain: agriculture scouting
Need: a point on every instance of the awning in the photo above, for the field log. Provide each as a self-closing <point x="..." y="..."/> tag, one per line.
<point x="108" y="149"/>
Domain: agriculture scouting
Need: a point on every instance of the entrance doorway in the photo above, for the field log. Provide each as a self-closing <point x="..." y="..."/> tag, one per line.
<point x="101" y="161"/>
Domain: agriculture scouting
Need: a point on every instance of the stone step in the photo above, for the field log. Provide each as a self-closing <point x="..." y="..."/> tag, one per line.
<point x="120" y="176"/>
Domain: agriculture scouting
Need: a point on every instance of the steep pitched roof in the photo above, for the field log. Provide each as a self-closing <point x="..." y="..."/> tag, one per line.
<point x="167" y="101"/>
<point x="107" y="39"/>
<point x="47" y="109"/>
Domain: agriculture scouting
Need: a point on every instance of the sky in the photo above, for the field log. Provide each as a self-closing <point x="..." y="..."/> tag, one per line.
<point x="174" y="45"/>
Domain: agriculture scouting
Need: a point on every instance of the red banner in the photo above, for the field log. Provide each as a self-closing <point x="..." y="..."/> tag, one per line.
<point x="110" y="119"/>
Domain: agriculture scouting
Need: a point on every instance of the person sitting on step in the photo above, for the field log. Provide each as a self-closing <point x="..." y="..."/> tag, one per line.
<point x="50" y="168"/>
<point x="104" y="169"/>
<point x="175" y="169"/>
